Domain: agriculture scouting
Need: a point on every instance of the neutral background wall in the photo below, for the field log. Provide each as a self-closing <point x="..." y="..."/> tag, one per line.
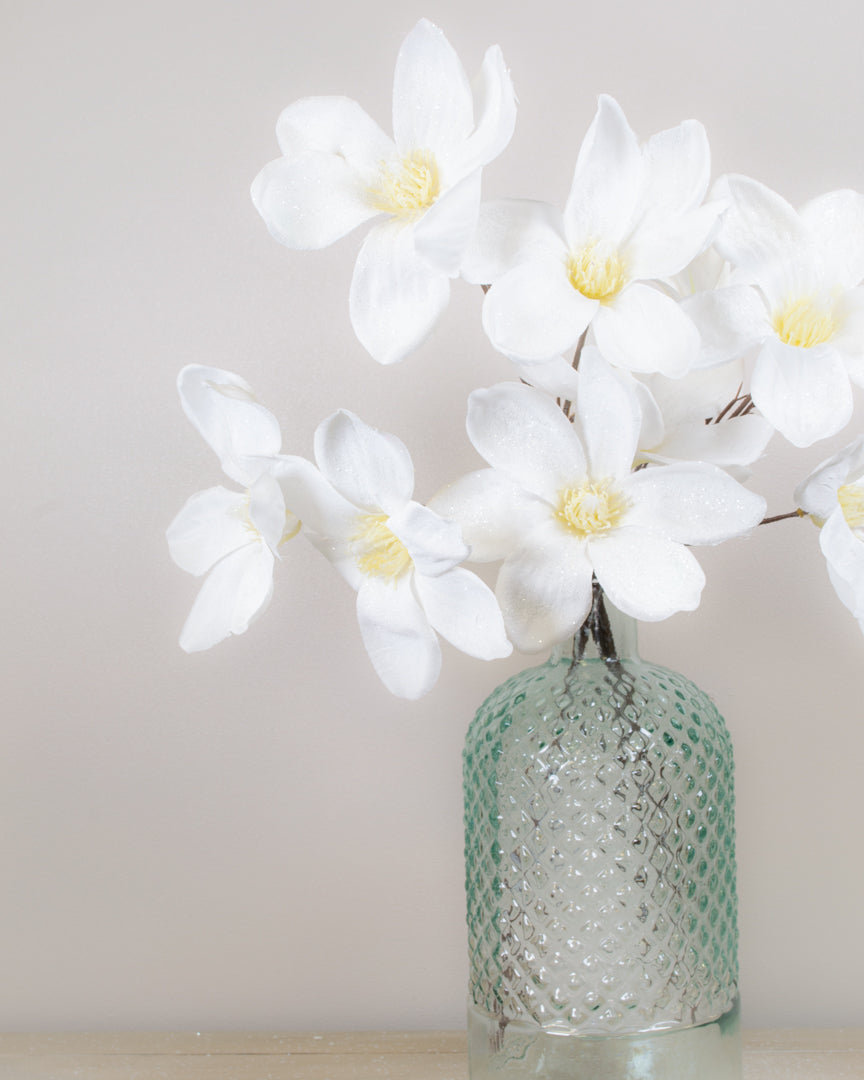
<point x="260" y="836"/>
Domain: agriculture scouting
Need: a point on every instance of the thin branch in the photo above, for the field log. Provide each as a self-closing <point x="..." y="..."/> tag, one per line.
<point x="783" y="517"/>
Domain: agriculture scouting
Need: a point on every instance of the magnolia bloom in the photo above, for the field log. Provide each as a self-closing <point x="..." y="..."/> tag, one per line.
<point x="833" y="495"/>
<point x="231" y="536"/>
<point x="796" y="295"/>
<point x="560" y="504"/>
<point x="339" y="170"/>
<point x="402" y="558"/>
<point x="634" y="214"/>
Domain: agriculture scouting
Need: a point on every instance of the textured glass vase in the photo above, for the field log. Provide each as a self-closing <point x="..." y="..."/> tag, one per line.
<point x="600" y="862"/>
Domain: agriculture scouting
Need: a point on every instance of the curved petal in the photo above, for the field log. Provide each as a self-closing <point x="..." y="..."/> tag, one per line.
<point x="836" y="224"/>
<point x="435" y="545"/>
<point x="644" y="330"/>
<point x="509" y="232"/>
<point x="464" y="611"/>
<point x="759" y="227"/>
<point x="314" y="500"/>
<point x="648" y="577"/>
<point x="495" y="107"/>
<point x="524" y="434"/>
<point x="545" y="589"/>
<point x="398" y="638"/>
<point x="804" y="393"/>
<point x="226" y="413"/>
<point x="607" y="179"/>
<point x="844" y="552"/>
<point x="367" y="467"/>
<point x="211" y="525"/>
<point x="336" y="126"/>
<point x="730" y="321"/>
<point x="310" y="200"/>
<point x="534" y="313"/>
<point x="396" y="297"/>
<point x="267" y="513"/>
<point x="444" y="232"/>
<point x="557" y="376"/>
<point x="662" y="247"/>
<point x="740" y="440"/>
<point x="494" y="514"/>
<point x="818" y="493"/>
<point x="691" y="503"/>
<point x="849" y="335"/>
<point x="236" y="590"/>
<point x="677" y="168"/>
<point x="433" y="107"/>
<point x="609" y="416"/>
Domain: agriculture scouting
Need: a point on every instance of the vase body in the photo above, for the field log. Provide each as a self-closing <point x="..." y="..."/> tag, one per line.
<point x="600" y="873"/>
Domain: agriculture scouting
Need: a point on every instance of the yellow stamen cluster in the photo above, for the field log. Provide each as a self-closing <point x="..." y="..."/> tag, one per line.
<point x="851" y="499"/>
<point x="803" y="322"/>
<point x="380" y="553"/>
<point x="592" y="509"/>
<point x="595" y="275"/>
<point x="407" y="187"/>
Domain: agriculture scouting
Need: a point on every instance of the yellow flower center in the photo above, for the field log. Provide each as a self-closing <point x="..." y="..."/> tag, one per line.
<point x="595" y="275"/>
<point x="407" y="187"/>
<point x="803" y="322"/>
<point x="380" y="552"/>
<point x="592" y="509"/>
<point x="851" y="499"/>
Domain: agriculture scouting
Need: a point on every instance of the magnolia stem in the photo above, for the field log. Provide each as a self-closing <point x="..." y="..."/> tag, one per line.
<point x="783" y="517"/>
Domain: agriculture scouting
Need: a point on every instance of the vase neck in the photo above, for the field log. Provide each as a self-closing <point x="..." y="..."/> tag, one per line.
<point x="606" y="634"/>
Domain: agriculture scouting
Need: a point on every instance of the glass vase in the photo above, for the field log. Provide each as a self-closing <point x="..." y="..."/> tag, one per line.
<point x="600" y="871"/>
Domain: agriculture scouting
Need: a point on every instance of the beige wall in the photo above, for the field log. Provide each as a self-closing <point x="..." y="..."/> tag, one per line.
<point x="260" y="836"/>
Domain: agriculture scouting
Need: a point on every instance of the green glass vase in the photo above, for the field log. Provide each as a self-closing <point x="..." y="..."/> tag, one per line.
<point x="600" y="871"/>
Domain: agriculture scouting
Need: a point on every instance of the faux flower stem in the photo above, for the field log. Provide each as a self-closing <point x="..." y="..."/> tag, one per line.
<point x="783" y="517"/>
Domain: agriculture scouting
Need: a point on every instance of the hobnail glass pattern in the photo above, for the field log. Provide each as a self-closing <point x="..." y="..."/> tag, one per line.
<point x="600" y="850"/>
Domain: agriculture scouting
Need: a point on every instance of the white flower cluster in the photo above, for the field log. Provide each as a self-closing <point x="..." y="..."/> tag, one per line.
<point x="662" y="333"/>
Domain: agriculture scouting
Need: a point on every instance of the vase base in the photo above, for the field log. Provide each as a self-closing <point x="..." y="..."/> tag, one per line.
<point x="522" y="1052"/>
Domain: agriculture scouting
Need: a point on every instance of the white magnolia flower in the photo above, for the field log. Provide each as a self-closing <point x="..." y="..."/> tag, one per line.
<point x="339" y="170"/>
<point x="634" y="214"/>
<point x="797" y="295"/>
<point x="833" y="495"/>
<point x="560" y="504"/>
<point x="402" y="558"/>
<point x="231" y="536"/>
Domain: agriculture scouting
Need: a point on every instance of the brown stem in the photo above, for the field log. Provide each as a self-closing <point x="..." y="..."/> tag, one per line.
<point x="782" y="517"/>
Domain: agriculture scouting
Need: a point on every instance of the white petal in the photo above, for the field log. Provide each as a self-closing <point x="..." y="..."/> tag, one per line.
<point x="804" y="393"/>
<point x="367" y="467"/>
<point x="739" y="440"/>
<point x="444" y="232"/>
<point x="730" y="321"/>
<point x="759" y="227"/>
<point x="677" y="168"/>
<point x="435" y="545"/>
<point x="511" y="231"/>
<point x="464" y="611"/>
<point x="818" y="493"/>
<point x="849" y="336"/>
<point x="396" y="297"/>
<point x="336" y="126"/>
<point x="227" y="414"/>
<point x="545" y="589"/>
<point x="648" y="577"/>
<point x="609" y="415"/>
<point x="524" y="434"/>
<point x="607" y="180"/>
<point x="495" y="106"/>
<point x="691" y="503"/>
<point x="236" y="590"/>
<point x="836" y="224"/>
<point x="310" y="200"/>
<point x="433" y="107"/>
<point x="398" y="638"/>
<point x="844" y="553"/>
<point x="644" y="330"/>
<point x="267" y="512"/>
<point x="211" y="524"/>
<point x="494" y="514"/>
<point x="556" y="377"/>
<point x="534" y="313"/>
<point x="314" y="500"/>
<point x="662" y="247"/>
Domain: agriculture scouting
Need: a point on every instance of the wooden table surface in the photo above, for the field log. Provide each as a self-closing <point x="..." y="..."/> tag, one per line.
<point x="804" y="1054"/>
